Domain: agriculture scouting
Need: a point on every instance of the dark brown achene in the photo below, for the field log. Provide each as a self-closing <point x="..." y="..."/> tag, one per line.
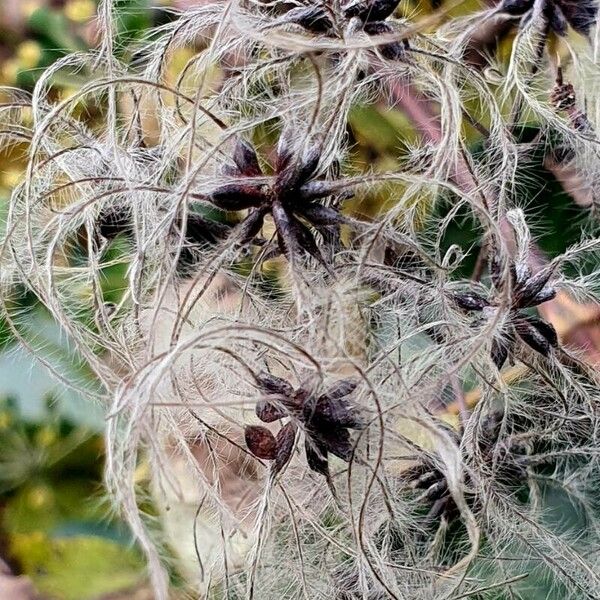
<point x="325" y="419"/>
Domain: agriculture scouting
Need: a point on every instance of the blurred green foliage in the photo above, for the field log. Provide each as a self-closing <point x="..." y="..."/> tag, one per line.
<point x="56" y="527"/>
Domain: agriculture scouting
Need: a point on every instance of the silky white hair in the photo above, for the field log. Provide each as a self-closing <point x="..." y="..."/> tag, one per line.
<point x="177" y="357"/>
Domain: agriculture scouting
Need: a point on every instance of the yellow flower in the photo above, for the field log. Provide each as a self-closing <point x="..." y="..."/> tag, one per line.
<point x="80" y="10"/>
<point x="28" y="54"/>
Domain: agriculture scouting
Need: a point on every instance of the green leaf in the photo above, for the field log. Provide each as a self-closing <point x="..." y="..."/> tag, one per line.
<point x="77" y="568"/>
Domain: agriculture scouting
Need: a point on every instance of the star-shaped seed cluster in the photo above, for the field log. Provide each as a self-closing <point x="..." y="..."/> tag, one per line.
<point x="560" y="14"/>
<point x="526" y="291"/>
<point x="509" y="456"/>
<point x="291" y="198"/>
<point x="368" y="15"/>
<point x="325" y="420"/>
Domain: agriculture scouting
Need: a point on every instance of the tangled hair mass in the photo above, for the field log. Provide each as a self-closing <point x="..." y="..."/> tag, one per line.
<point x="333" y="400"/>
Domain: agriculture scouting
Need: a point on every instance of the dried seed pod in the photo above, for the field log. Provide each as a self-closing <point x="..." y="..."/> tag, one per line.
<point x="316" y="456"/>
<point x="580" y="14"/>
<point x="285" y="446"/>
<point x="544" y="295"/>
<point x="533" y="288"/>
<point x="520" y="273"/>
<point x="318" y="214"/>
<point x="274" y="385"/>
<point x="470" y="301"/>
<point x="499" y="351"/>
<point x="537" y="334"/>
<point x="391" y="50"/>
<point x="284" y="151"/>
<point x="296" y="173"/>
<point x="335" y="440"/>
<point x="294" y="236"/>
<point x="246" y="159"/>
<point x="557" y="20"/>
<point x="341" y="388"/>
<point x="260" y="441"/>
<point x="268" y="412"/>
<point x="515" y="7"/>
<point x="370" y="10"/>
<point x="237" y="196"/>
<point x="313" y="18"/>
<point x="331" y="410"/>
<point x="251" y="225"/>
<point x="437" y="490"/>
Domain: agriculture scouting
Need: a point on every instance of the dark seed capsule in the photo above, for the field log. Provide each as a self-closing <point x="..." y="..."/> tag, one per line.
<point x="545" y="295"/>
<point x="260" y="441"/>
<point x="341" y="388"/>
<point x="274" y="385"/>
<point x="526" y="294"/>
<point x="248" y="229"/>
<point x="316" y="457"/>
<point x="296" y="173"/>
<point x="336" y="440"/>
<point x="437" y="490"/>
<point x="305" y="240"/>
<point x="470" y="301"/>
<point x="499" y="351"/>
<point x="546" y="329"/>
<point x="268" y="412"/>
<point x="557" y="20"/>
<point x="285" y="445"/>
<point x="313" y="18"/>
<point x="520" y="273"/>
<point x="314" y="190"/>
<point x="516" y="7"/>
<point x="284" y="149"/>
<point x="310" y="163"/>
<point x="537" y="334"/>
<point x="391" y="50"/>
<point x="246" y="159"/>
<point x="288" y="231"/>
<point x="332" y="412"/>
<point x="581" y="14"/>
<point x="370" y="10"/>
<point x="234" y="196"/>
<point x="438" y="508"/>
<point x="318" y="214"/>
<point x="426" y="480"/>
